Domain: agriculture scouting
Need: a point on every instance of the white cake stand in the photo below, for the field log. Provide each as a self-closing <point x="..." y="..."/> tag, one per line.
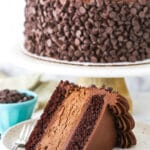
<point x="111" y="75"/>
<point x="17" y="57"/>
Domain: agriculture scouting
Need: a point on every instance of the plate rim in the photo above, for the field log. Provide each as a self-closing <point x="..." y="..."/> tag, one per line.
<point x="11" y="128"/>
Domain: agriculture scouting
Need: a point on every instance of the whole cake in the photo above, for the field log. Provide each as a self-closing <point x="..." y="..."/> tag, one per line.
<point x="88" y="30"/>
<point x="79" y="118"/>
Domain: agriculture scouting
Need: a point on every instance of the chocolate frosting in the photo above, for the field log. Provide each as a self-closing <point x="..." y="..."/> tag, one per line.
<point x="124" y="122"/>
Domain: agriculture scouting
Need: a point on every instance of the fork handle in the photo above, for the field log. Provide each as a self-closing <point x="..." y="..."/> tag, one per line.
<point x="14" y="147"/>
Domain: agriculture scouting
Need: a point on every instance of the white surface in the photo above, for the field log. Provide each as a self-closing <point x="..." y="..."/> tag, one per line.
<point x="141" y="107"/>
<point x="11" y="24"/>
<point x="141" y="130"/>
<point x="13" y="133"/>
<point x="17" y="57"/>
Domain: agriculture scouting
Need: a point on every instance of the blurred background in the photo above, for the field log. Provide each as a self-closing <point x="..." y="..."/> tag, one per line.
<point x="12" y="76"/>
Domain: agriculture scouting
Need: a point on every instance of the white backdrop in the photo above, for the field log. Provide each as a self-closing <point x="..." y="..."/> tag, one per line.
<point x="11" y="23"/>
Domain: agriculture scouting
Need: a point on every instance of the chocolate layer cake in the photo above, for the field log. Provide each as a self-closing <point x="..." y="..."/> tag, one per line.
<point x="79" y="118"/>
<point x="88" y="30"/>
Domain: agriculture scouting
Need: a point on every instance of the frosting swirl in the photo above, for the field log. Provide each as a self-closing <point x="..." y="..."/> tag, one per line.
<point x="123" y="121"/>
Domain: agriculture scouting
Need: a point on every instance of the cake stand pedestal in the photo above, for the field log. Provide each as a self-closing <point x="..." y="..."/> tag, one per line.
<point x="110" y="76"/>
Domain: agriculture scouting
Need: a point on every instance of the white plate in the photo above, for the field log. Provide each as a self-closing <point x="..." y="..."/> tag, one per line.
<point x="12" y="134"/>
<point x="142" y="132"/>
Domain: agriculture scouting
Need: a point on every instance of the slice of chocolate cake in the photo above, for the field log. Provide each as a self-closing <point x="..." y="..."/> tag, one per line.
<point x="79" y="118"/>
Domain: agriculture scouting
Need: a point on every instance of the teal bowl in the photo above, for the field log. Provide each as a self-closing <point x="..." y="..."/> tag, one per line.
<point x="13" y="113"/>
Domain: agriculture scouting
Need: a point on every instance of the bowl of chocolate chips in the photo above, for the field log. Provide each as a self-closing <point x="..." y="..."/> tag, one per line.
<point x="15" y="106"/>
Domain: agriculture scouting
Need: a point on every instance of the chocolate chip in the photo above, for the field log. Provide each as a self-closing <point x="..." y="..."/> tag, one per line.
<point x="13" y="96"/>
<point x="129" y="44"/>
<point x="67" y="34"/>
<point x="110" y="89"/>
<point x="123" y="58"/>
<point x="109" y="30"/>
<point x="49" y="30"/>
<point x="120" y="38"/>
<point x="43" y="2"/>
<point x="142" y="14"/>
<point x="49" y="43"/>
<point x="77" y="42"/>
<point x="112" y="14"/>
<point x="82" y="10"/>
<point x="132" y="58"/>
<point x="66" y="28"/>
<point x="145" y="9"/>
<point x="95" y="31"/>
<point x="85" y="46"/>
<point x="94" y="59"/>
<point x="146" y="36"/>
<point x="140" y="33"/>
<point x="133" y="11"/>
<point x="136" y="28"/>
<point x="78" y="33"/>
<point x="112" y="53"/>
<point x="142" y="2"/>
<point x="77" y="53"/>
<point x="110" y="22"/>
<point x="81" y="59"/>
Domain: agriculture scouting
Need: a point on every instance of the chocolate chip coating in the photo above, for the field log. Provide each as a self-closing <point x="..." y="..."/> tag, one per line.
<point x="110" y="31"/>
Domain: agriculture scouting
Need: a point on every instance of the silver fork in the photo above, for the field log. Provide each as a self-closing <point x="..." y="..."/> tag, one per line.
<point x="23" y="137"/>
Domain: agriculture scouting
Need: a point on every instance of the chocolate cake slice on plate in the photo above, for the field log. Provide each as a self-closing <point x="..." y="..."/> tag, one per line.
<point x="79" y="118"/>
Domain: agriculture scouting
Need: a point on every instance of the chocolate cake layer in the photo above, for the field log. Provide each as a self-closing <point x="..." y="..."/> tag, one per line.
<point x="88" y="30"/>
<point x="83" y="119"/>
